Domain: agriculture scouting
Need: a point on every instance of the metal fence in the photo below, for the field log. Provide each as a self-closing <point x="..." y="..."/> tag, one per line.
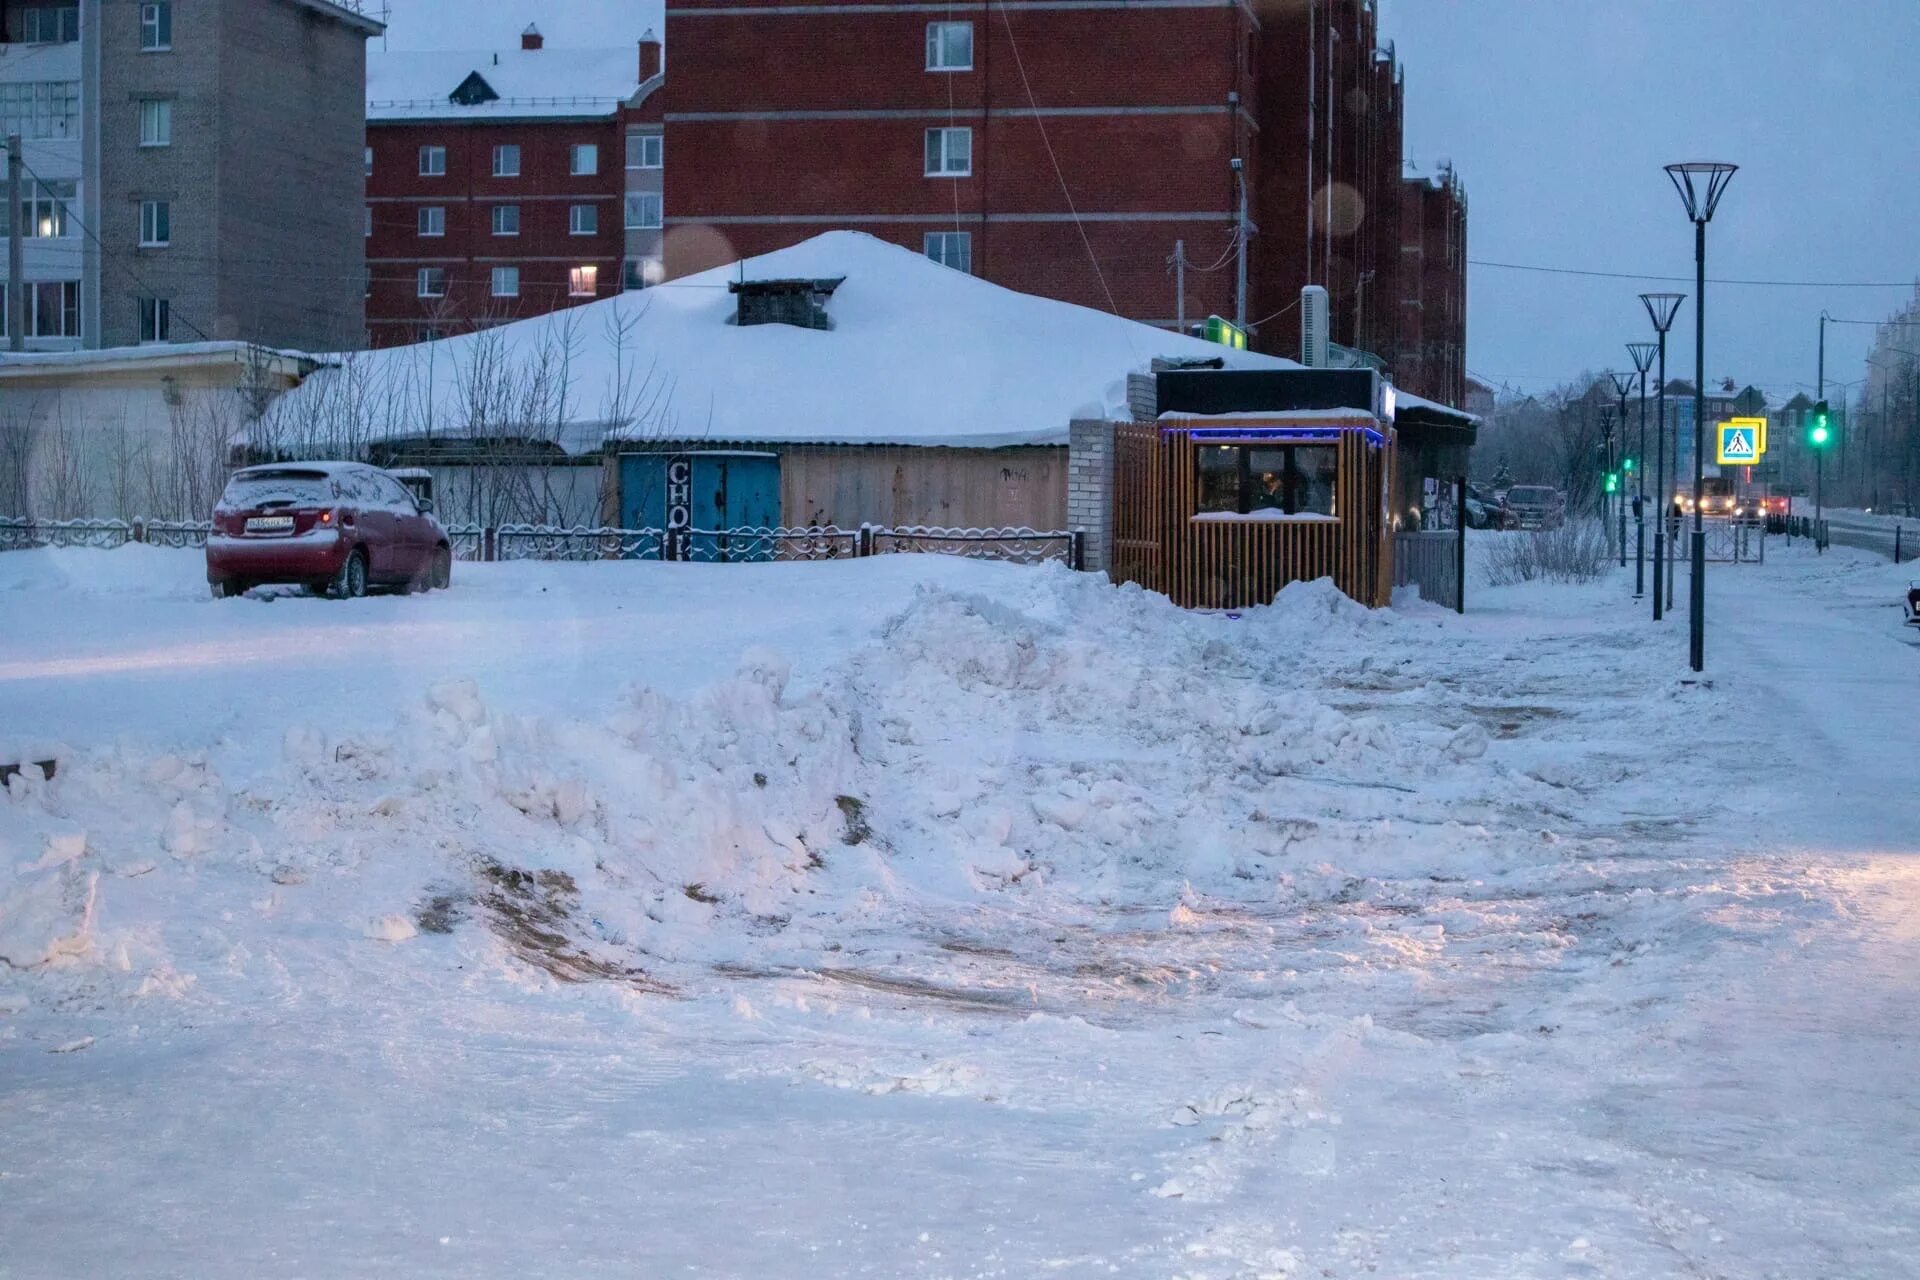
<point x="1429" y="560"/>
<point x="474" y="542"/>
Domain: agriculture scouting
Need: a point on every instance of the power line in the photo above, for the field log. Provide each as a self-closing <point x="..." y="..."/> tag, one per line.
<point x="1630" y="275"/>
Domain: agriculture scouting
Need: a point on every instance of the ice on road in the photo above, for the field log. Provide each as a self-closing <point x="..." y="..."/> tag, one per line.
<point x="913" y="917"/>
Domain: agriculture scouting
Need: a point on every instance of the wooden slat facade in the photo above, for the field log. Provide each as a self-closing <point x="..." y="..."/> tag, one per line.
<point x="1238" y="563"/>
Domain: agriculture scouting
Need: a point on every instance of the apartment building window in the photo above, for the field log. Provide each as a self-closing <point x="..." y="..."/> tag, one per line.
<point x="585" y="159"/>
<point x="45" y="25"/>
<point x="45" y="212"/>
<point x="583" y="220"/>
<point x="369" y="213"/>
<point x="156" y="25"/>
<point x="156" y="223"/>
<point x="645" y="150"/>
<point x="40" y="109"/>
<point x="506" y="161"/>
<point x="156" y="122"/>
<point x="583" y="282"/>
<point x="506" y="282"/>
<point x="506" y="219"/>
<point x="433" y="162"/>
<point x="951" y="249"/>
<point x="642" y="273"/>
<point x="433" y="220"/>
<point x="949" y="46"/>
<point x="432" y="282"/>
<point x="156" y="320"/>
<point x="369" y="162"/>
<point x="53" y="309"/>
<point x="949" y="153"/>
<point x="643" y="211"/>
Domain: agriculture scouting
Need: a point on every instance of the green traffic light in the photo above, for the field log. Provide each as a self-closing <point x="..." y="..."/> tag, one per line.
<point x="1629" y="465"/>
<point x="1820" y="434"/>
<point x="1613" y="482"/>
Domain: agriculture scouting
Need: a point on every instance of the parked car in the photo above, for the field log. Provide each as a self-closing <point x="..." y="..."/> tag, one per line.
<point x="1535" y="506"/>
<point x="1913" y="604"/>
<point x="337" y="527"/>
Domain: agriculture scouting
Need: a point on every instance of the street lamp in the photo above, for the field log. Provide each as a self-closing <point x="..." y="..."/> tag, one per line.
<point x="1642" y="353"/>
<point x="1661" y="309"/>
<point x="1622" y="387"/>
<point x="1700" y="183"/>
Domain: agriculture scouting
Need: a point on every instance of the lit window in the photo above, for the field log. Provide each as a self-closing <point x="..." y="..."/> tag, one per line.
<point x="45" y="211"/>
<point x="433" y="162"/>
<point x="583" y="220"/>
<point x="586" y="159"/>
<point x="506" y="282"/>
<point x="1288" y="479"/>
<point x="433" y="220"/>
<point x="949" y="46"/>
<point x="433" y="282"/>
<point x="644" y="150"/>
<point x="506" y="219"/>
<point x="583" y="282"/>
<point x="156" y="319"/>
<point x="506" y="161"/>
<point x="951" y="249"/>
<point x="369" y="154"/>
<point x="643" y="211"/>
<point x="949" y="153"/>
<point x="156" y="25"/>
<point x="156" y="123"/>
<point x="156" y="223"/>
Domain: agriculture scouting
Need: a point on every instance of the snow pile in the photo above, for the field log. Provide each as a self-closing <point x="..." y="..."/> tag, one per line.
<point x="135" y="570"/>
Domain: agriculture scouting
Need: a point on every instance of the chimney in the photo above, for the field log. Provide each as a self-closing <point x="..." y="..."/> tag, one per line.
<point x="649" y="56"/>
<point x="531" y="38"/>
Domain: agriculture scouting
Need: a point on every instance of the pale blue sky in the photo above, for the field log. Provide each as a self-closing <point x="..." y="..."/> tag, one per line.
<point x="1559" y="115"/>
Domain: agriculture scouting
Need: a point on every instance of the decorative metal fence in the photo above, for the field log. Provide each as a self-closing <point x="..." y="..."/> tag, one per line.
<point x="183" y="534"/>
<point x="18" y="534"/>
<point x="548" y="542"/>
<point x="721" y="546"/>
<point x="1022" y="546"/>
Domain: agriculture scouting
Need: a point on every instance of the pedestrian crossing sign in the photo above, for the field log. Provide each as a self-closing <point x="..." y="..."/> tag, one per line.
<point x="1742" y="441"/>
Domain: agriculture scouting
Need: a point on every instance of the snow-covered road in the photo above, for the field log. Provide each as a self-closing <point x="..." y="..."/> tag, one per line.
<point x="911" y="917"/>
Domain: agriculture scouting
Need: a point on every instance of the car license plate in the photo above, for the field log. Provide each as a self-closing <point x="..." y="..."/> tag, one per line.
<point x="269" y="524"/>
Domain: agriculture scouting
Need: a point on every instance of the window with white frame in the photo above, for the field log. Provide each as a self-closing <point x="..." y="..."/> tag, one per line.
<point x="643" y="211"/>
<point x="53" y="309"/>
<point x="156" y="25"/>
<point x="47" y="25"/>
<point x="156" y="122"/>
<point x="45" y="212"/>
<point x="506" y="219"/>
<point x="949" y="153"/>
<point x="156" y="320"/>
<point x="949" y="46"/>
<point x="951" y="249"/>
<point x="156" y="223"/>
<point x="583" y="220"/>
<point x="433" y="162"/>
<point x="40" y="109"/>
<point x="584" y="159"/>
<point x="433" y="220"/>
<point x="432" y="282"/>
<point x="645" y="150"/>
<point x="583" y="282"/>
<point x="506" y="160"/>
<point x="506" y="282"/>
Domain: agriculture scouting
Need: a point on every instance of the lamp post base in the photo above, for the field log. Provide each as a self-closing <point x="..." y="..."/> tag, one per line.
<point x="1697" y="597"/>
<point x="1659" y="570"/>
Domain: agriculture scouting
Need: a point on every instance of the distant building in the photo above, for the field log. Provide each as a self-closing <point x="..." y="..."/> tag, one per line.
<point x="1430" y="352"/>
<point x="192" y="169"/>
<point x="510" y="183"/>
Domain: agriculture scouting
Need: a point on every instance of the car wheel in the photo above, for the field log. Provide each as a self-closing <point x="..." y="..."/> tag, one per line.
<point x="441" y="576"/>
<point x="350" y="583"/>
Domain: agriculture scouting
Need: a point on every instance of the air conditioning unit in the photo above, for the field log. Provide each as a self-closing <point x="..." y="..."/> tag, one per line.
<point x="1315" y="320"/>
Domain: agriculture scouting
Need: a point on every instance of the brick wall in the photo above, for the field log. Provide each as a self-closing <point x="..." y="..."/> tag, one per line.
<point x="1090" y="488"/>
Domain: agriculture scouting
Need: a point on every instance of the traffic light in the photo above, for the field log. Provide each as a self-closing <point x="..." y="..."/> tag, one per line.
<point x="1820" y="427"/>
<point x="1629" y="466"/>
<point x="1613" y="482"/>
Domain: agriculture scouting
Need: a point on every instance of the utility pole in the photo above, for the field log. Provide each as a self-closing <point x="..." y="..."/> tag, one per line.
<point x="1180" y="285"/>
<point x="1240" y="235"/>
<point x="16" y="252"/>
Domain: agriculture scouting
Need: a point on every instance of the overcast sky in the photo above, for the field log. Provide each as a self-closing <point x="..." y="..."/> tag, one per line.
<point x="1559" y="115"/>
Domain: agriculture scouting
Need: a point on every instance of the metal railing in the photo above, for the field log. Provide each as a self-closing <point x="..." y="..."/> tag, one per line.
<point x="1021" y="546"/>
<point x="1429" y="560"/>
<point x="548" y="542"/>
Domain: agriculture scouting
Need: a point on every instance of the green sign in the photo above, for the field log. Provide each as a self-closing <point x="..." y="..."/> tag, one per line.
<point x="1226" y="333"/>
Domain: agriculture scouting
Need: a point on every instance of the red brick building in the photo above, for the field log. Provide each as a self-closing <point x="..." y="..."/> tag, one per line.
<point x="1063" y="150"/>
<point x="497" y="182"/>
<point x="1430" y="356"/>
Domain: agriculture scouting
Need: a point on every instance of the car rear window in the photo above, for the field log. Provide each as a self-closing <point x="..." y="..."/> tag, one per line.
<point x="277" y="489"/>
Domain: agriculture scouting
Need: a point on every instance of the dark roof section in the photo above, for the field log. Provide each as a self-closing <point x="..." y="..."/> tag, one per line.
<point x="800" y="302"/>
<point x="473" y="91"/>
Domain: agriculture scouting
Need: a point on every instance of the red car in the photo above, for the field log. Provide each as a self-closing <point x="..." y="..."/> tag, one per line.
<point x="338" y="527"/>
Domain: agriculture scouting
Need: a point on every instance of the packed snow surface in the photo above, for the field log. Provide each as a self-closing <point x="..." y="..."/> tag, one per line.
<point x="917" y="917"/>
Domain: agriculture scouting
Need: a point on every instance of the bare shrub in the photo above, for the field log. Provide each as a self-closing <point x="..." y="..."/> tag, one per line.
<point x="1576" y="551"/>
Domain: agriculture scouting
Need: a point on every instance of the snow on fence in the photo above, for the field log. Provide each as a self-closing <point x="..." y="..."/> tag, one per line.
<point x="557" y="542"/>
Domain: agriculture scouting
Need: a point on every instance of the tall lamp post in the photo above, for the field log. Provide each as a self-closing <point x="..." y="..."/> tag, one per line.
<point x="1623" y="387"/>
<point x="1642" y="353"/>
<point x="1700" y="183"/>
<point x="1661" y="309"/>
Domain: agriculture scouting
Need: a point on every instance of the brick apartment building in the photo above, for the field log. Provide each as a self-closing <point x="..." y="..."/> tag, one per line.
<point x="192" y="169"/>
<point x="506" y="184"/>
<point x="1065" y="149"/>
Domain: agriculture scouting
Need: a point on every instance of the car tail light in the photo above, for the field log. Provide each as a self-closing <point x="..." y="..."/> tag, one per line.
<point x="326" y="517"/>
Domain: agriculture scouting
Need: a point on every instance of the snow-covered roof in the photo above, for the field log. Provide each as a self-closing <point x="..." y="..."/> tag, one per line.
<point x="530" y="83"/>
<point x="27" y="364"/>
<point x="918" y="354"/>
